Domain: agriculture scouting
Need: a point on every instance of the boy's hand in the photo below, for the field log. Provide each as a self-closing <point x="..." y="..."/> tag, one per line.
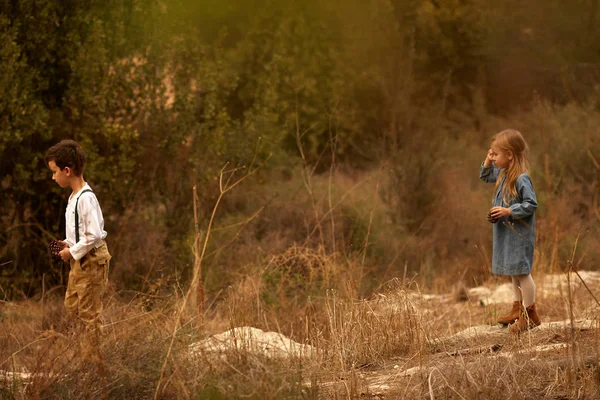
<point x="489" y="158"/>
<point x="499" y="212"/>
<point x="56" y="246"/>
<point x="65" y="254"/>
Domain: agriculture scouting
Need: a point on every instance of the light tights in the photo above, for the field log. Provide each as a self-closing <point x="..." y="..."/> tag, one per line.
<point x="524" y="284"/>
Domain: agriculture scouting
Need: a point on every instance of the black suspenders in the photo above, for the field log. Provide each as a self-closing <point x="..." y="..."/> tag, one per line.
<point x="77" y="215"/>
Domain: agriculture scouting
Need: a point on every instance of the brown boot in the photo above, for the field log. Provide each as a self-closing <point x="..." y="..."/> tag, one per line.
<point x="512" y="315"/>
<point x="527" y="320"/>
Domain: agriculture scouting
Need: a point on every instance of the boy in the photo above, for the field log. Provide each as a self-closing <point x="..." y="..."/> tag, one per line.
<point x="84" y="246"/>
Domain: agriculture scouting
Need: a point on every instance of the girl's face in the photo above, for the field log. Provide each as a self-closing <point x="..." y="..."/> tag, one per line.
<point x="501" y="158"/>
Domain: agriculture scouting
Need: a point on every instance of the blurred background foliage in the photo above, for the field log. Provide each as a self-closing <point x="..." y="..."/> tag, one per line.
<point x="372" y="116"/>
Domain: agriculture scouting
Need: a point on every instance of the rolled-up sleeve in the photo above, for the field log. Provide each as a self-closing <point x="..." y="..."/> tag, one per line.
<point x="528" y="203"/>
<point x="488" y="174"/>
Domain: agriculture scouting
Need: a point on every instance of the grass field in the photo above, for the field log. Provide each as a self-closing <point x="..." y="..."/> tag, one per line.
<point x="400" y="343"/>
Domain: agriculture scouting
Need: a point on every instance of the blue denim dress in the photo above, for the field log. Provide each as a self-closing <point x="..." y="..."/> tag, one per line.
<point x="514" y="236"/>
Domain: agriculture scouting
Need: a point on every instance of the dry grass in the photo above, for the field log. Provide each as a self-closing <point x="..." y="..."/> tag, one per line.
<point x="398" y="343"/>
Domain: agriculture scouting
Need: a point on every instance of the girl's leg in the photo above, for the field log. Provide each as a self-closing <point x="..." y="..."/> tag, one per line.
<point x="529" y="317"/>
<point x="516" y="289"/>
<point x="514" y="313"/>
<point x="527" y="288"/>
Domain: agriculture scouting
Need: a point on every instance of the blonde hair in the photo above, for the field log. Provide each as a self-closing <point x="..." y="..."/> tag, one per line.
<point x="512" y="140"/>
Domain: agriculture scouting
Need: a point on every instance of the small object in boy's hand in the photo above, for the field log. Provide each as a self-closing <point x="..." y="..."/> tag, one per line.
<point x="490" y="218"/>
<point x="55" y="246"/>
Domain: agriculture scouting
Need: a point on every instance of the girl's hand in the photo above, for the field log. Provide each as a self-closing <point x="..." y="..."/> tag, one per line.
<point x="489" y="158"/>
<point x="499" y="212"/>
<point x="65" y="254"/>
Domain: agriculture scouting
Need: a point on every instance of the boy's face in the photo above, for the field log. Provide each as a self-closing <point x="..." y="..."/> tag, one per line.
<point x="60" y="176"/>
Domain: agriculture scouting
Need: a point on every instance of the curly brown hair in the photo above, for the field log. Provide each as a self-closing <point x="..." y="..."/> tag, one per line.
<point x="67" y="153"/>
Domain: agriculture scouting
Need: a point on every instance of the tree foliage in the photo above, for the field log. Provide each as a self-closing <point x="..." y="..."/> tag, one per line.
<point x="162" y="93"/>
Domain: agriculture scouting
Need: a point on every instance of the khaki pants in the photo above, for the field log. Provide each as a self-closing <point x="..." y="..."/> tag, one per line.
<point x="87" y="283"/>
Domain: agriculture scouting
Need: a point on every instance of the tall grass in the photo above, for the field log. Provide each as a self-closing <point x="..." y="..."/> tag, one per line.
<point x="357" y="342"/>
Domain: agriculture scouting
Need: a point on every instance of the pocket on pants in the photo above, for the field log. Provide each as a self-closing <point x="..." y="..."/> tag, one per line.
<point x="99" y="256"/>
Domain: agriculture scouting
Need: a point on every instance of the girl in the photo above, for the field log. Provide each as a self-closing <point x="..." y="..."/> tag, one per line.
<point x="513" y="211"/>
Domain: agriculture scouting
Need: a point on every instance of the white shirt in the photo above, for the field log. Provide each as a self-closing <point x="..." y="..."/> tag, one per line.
<point x="91" y="223"/>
